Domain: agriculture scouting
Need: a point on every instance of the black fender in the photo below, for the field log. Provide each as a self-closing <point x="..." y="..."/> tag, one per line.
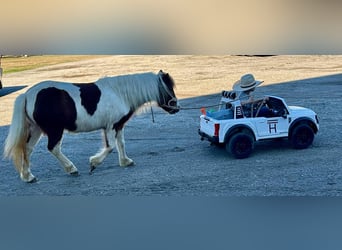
<point x="302" y="120"/>
<point x="238" y="128"/>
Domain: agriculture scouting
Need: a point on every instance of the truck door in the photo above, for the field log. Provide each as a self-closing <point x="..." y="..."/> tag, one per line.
<point x="270" y="127"/>
<point x="277" y="124"/>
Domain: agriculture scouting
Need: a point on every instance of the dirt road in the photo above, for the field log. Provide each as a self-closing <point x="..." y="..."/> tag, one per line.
<point x="170" y="158"/>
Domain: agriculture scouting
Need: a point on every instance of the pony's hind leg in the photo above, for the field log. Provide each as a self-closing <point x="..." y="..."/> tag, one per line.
<point x="33" y="138"/>
<point x="54" y="146"/>
<point x="111" y="139"/>
<point x="109" y="143"/>
<point x="124" y="161"/>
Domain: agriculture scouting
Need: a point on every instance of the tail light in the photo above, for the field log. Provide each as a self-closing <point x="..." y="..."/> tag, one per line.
<point x="217" y="129"/>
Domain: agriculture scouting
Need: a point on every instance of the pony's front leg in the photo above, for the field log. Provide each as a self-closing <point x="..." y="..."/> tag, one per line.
<point x="109" y="144"/>
<point x="124" y="161"/>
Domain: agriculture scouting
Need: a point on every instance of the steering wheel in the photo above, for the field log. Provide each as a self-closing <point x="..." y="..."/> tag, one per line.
<point x="260" y="106"/>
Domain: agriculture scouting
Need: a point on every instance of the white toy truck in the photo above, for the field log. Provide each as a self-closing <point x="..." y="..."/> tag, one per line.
<point x="238" y="127"/>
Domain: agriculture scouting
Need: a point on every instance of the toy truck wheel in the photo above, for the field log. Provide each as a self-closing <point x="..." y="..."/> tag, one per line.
<point x="240" y="145"/>
<point x="302" y="136"/>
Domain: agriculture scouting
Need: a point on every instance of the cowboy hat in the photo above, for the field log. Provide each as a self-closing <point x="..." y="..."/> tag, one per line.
<point x="246" y="82"/>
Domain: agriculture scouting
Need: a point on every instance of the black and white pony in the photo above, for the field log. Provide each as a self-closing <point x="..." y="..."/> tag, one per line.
<point x="51" y="107"/>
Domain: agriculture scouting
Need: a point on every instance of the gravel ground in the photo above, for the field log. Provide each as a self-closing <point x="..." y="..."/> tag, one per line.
<point x="172" y="161"/>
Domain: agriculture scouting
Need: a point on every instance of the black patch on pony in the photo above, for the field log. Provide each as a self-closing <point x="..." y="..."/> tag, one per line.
<point x="121" y="123"/>
<point x="54" y="111"/>
<point x="90" y="96"/>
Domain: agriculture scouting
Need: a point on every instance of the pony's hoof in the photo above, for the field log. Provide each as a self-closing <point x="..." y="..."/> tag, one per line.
<point x="131" y="164"/>
<point x="34" y="180"/>
<point x="92" y="168"/>
<point x="76" y="173"/>
<point x="128" y="164"/>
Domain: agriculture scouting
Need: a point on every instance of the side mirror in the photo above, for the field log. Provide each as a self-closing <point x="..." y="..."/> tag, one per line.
<point x="284" y="113"/>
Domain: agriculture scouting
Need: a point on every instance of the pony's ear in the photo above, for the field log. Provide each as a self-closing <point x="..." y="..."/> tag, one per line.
<point x="161" y="72"/>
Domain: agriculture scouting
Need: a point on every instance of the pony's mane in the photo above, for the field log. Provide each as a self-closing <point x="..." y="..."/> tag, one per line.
<point x="134" y="89"/>
<point x="168" y="80"/>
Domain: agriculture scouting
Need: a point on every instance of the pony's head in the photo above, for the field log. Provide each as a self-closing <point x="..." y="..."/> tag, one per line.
<point x="167" y="100"/>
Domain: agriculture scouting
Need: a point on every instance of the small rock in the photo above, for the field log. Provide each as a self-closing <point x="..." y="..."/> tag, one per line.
<point x="178" y="149"/>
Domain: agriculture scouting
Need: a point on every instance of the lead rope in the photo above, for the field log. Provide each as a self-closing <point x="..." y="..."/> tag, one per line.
<point x="152" y="114"/>
<point x="181" y="108"/>
<point x="175" y="99"/>
<point x="192" y="108"/>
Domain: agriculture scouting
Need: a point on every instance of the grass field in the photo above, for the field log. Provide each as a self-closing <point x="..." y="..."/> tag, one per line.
<point x="13" y="64"/>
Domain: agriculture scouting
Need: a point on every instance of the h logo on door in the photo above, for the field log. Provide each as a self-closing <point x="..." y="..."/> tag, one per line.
<point x="272" y="126"/>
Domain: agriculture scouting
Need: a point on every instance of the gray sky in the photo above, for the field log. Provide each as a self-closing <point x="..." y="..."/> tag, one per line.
<point x="170" y="27"/>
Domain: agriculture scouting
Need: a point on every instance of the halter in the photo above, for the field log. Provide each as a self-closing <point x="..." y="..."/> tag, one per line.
<point x="173" y="98"/>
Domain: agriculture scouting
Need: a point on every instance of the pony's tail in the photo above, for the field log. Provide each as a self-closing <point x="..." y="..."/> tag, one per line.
<point x="15" y="145"/>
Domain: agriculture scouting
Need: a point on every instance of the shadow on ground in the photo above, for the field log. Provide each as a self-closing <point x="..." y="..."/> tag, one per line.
<point x="8" y="90"/>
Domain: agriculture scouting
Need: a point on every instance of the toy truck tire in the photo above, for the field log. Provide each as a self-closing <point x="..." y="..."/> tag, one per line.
<point x="302" y="136"/>
<point x="240" y="145"/>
